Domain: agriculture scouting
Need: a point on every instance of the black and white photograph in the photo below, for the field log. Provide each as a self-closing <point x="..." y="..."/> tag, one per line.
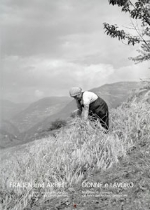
<point x="75" y="105"/>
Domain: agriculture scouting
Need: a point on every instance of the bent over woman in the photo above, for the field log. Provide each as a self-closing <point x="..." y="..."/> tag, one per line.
<point x="90" y="104"/>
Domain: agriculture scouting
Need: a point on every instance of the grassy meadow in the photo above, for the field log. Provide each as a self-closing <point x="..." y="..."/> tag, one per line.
<point x="77" y="153"/>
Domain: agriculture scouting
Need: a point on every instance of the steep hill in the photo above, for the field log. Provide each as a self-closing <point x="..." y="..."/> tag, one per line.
<point x="114" y="94"/>
<point x="140" y="94"/>
<point x="38" y="111"/>
<point x="82" y="167"/>
<point x="9" y="134"/>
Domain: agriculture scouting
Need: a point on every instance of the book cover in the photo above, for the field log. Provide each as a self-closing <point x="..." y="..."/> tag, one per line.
<point x="75" y="104"/>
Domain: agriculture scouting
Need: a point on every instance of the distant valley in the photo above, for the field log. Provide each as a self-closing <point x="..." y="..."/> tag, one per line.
<point x="38" y="111"/>
<point x="9" y="109"/>
<point x="13" y="126"/>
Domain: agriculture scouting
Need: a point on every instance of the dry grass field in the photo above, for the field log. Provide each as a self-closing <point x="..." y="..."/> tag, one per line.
<point x="82" y="167"/>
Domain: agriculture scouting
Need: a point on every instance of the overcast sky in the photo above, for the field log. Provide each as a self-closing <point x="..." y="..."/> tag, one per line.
<point x="50" y="45"/>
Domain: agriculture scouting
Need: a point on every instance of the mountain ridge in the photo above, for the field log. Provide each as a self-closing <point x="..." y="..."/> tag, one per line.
<point x="39" y="110"/>
<point x="9" y="109"/>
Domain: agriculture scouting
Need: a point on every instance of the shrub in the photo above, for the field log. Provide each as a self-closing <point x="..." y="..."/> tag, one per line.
<point x="57" y="124"/>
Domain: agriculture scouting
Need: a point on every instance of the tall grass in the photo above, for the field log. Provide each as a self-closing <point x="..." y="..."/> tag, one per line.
<point x="77" y="150"/>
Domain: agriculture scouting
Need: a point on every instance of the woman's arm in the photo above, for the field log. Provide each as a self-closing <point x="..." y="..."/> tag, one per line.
<point x="79" y="105"/>
<point x="85" y="112"/>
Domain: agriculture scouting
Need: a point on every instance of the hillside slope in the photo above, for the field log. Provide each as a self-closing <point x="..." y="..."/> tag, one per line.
<point x="82" y="167"/>
<point x="9" y="134"/>
<point x="38" y="111"/>
<point x="114" y="94"/>
<point x="9" y="109"/>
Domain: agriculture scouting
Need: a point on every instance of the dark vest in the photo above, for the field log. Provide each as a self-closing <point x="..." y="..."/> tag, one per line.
<point x="98" y="106"/>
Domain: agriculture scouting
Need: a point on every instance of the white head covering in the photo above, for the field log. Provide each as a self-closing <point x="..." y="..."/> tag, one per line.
<point x="75" y="91"/>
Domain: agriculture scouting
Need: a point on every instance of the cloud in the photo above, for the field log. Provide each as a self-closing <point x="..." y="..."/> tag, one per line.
<point x="51" y="77"/>
<point x="39" y="94"/>
<point x="35" y="78"/>
<point x="133" y="72"/>
<point x="47" y="73"/>
<point x="32" y="28"/>
<point x="61" y="30"/>
<point x="49" y="46"/>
